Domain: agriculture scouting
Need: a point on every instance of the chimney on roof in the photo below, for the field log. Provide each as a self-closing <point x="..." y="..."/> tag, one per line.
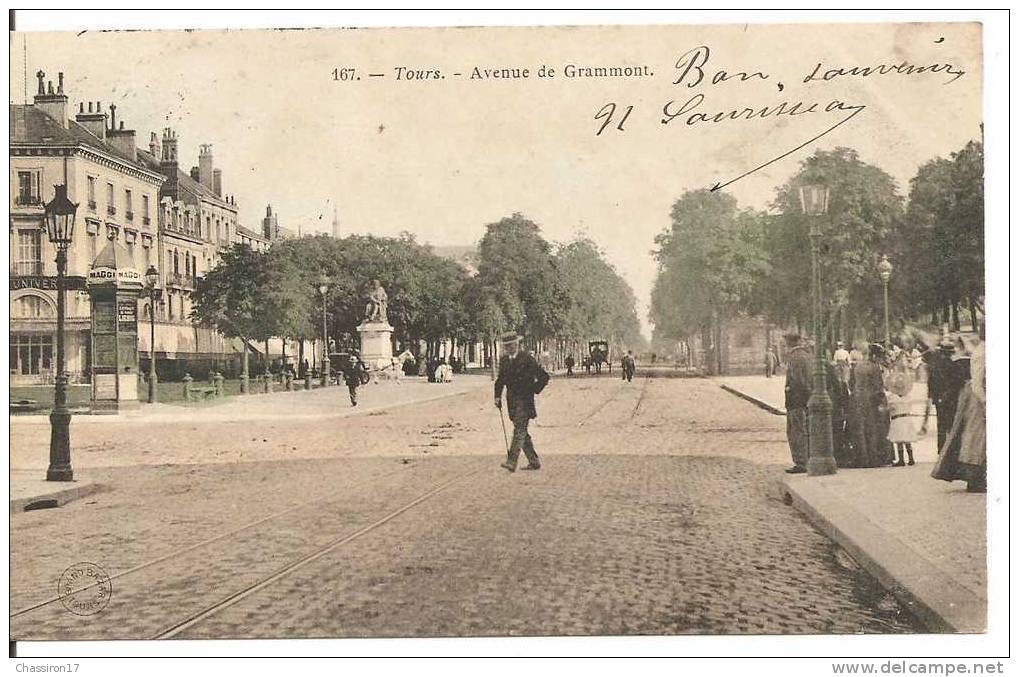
<point x="270" y="224"/>
<point x="205" y="165"/>
<point x="217" y="182"/>
<point x="123" y="140"/>
<point x="195" y="174"/>
<point x="154" y="146"/>
<point x="169" y="156"/>
<point x="92" y="120"/>
<point x="53" y="104"/>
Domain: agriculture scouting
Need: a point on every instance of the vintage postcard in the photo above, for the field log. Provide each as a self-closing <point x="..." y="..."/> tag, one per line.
<point x="498" y="332"/>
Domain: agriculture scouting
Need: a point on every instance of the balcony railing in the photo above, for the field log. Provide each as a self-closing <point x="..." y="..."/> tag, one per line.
<point x="180" y="280"/>
<point x="25" y="200"/>
<point x="111" y="210"/>
<point x="28" y="267"/>
<point x="129" y="216"/>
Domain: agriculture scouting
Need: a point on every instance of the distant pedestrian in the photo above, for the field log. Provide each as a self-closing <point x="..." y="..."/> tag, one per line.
<point x="797" y="394"/>
<point x="841" y="359"/>
<point x="570" y="362"/>
<point x="523" y="378"/>
<point x="353" y="369"/>
<point x="769" y="362"/>
<point x="629" y="366"/>
<point x="855" y="355"/>
<point x="444" y="372"/>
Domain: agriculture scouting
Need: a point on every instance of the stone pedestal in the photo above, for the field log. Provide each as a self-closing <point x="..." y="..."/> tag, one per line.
<point x="376" y="341"/>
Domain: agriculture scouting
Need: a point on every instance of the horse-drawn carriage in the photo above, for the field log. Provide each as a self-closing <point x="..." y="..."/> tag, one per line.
<point x="598" y="355"/>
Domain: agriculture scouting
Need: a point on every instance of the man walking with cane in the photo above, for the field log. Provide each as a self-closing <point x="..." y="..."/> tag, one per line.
<point x="523" y="378"/>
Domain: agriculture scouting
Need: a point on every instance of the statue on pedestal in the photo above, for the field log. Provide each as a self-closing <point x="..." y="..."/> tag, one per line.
<point x="377" y="304"/>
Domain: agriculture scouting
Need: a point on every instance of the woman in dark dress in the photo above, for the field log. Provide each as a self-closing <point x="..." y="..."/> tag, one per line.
<point x="869" y="416"/>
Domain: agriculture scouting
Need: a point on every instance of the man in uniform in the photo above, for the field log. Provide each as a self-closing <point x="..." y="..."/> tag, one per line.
<point x="797" y="393"/>
<point x="523" y="378"/>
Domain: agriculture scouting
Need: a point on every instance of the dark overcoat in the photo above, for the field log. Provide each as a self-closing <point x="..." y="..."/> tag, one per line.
<point x="523" y="378"/>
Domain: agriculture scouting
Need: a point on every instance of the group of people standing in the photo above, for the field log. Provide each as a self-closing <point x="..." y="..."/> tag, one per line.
<point x="873" y="419"/>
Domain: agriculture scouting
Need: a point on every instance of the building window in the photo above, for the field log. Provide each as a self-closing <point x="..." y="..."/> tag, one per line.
<point x="176" y="263"/>
<point x="145" y="210"/>
<point x="92" y="193"/>
<point x="28" y="188"/>
<point x="111" y="204"/>
<point x="31" y="353"/>
<point x="29" y="253"/>
<point x="31" y="307"/>
<point x="128" y="205"/>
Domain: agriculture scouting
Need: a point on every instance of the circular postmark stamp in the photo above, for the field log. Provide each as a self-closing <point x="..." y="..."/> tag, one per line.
<point x="84" y="588"/>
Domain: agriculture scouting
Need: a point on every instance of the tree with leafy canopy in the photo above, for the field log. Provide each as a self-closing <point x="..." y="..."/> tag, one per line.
<point x="941" y="243"/>
<point x="864" y="211"/>
<point x="233" y="297"/>
<point x="710" y="264"/>
<point x="517" y="266"/>
<point x="601" y="303"/>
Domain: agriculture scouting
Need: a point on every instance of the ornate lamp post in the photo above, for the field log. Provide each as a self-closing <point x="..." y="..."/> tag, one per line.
<point x="884" y="269"/>
<point x="323" y="289"/>
<point x="821" y="461"/>
<point x="60" y="213"/>
<point x="152" y="279"/>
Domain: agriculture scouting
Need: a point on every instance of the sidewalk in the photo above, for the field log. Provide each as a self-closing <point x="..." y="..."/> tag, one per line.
<point x="923" y="539"/>
<point x="30" y="490"/>
<point x="281" y="404"/>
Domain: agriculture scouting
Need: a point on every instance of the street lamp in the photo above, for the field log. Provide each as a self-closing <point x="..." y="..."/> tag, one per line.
<point x="884" y="269"/>
<point x="152" y="278"/>
<point x="60" y="213"/>
<point x="323" y="289"/>
<point x="821" y="459"/>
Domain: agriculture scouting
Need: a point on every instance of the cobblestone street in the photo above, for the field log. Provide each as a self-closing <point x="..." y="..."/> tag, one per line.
<point x="657" y="511"/>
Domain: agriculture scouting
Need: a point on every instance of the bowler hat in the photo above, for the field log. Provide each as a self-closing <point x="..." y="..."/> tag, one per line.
<point x="509" y="337"/>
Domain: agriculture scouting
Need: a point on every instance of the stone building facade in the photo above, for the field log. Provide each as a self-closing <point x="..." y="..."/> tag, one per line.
<point x="118" y="200"/>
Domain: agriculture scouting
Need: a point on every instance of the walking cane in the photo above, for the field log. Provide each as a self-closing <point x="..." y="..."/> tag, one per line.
<point x="502" y="419"/>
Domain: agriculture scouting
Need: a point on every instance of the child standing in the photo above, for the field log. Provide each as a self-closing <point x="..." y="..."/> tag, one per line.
<point x="901" y="429"/>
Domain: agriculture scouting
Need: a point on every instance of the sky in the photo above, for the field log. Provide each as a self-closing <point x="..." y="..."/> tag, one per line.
<point x="442" y="158"/>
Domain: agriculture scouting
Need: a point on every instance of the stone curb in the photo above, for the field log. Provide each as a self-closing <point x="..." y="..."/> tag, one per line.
<point x="940" y="603"/>
<point x="60" y="496"/>
<point x="753" y="400"/>
<point x="176" y="416"/>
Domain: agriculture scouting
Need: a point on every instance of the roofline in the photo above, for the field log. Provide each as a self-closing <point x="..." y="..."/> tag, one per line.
<point x="123" y="164"/>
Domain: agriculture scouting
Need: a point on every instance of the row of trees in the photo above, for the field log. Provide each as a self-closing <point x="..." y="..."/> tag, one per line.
<point x="557" y="296"/>
<point x="717" y="260"/>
